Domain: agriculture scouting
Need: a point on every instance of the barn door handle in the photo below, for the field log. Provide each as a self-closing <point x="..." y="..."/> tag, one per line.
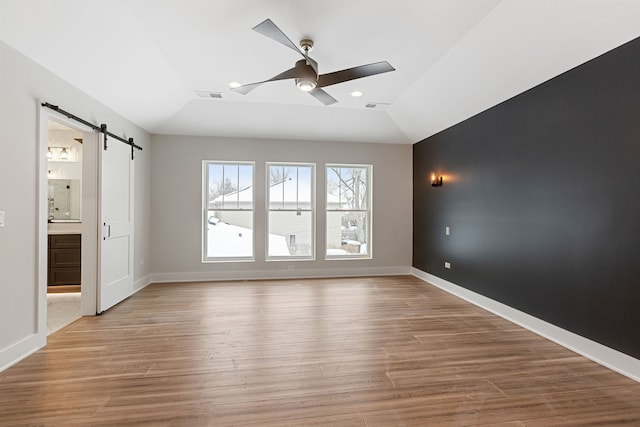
<point x="108" y="231"/>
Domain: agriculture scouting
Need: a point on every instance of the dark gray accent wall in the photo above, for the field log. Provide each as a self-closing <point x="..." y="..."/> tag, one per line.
<point x="542" y="194"/>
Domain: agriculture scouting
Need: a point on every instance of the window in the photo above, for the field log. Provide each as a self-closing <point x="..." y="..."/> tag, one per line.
<point x="290" y="206"/>
<point x="348" y="211"/>
<point x="228" y="211"/>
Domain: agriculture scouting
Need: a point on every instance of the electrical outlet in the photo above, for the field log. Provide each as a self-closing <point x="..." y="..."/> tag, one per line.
<point x="447" y="265"/>
<point x="447" y="231"/>
<point x="1" y="218"/>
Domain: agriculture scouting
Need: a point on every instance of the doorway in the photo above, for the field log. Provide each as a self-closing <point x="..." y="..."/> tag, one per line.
<point x="64" y="225"/>
<point x="67" y="229"/>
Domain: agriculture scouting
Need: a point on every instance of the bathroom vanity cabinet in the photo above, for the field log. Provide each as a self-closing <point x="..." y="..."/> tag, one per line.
<point x="64" y="259"/>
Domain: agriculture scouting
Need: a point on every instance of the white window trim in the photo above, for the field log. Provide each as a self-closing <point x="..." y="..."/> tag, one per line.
<point x="205" y="212"/>
<point x="312" y="257"/>
<point x="369" y="211"/>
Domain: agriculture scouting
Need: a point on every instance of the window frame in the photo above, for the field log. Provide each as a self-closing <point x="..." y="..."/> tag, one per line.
<point x="368" y="212"/>
<point x="205" y="212"/>
<point x="311" y="210"/>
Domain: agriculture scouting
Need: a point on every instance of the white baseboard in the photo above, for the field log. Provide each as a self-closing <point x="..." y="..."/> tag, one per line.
<point x="277" y="274"/>
<point x="142" y="283"/>
<point x="605" y="356"/>
<point x="11" y="355"/>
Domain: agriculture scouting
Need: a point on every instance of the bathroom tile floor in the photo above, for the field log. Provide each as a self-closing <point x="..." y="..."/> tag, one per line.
<point x="62" y="309"/>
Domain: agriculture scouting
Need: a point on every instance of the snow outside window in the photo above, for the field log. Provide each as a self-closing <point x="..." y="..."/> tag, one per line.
<point x="290" y="211"/>
<point x="228" y="211"/>
<point x="348" y="211"/>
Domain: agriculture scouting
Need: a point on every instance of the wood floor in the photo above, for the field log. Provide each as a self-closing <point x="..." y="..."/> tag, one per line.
<point x="376" y="351"/>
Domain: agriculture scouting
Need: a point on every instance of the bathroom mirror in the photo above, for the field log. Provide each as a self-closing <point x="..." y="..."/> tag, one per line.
<point x="64" y="200"/>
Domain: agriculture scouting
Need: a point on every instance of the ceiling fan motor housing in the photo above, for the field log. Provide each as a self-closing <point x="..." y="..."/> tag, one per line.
<point x="307" y="78"/>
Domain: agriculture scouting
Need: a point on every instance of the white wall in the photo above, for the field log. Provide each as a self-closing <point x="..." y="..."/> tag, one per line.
<point x="176" y="174"/>
<point x="23" y="85"/>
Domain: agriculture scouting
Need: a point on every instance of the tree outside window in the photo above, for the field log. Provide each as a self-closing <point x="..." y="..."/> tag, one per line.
<point x="348" y="211"/>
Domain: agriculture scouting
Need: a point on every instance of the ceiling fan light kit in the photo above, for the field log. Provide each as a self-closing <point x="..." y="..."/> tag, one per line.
<point x="305" y="71"/>
<point x="305" y="85"/>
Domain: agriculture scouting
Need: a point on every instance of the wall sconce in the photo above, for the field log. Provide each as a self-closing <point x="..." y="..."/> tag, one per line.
<point x="58" y="153"/>
<point x="436" y="181"/>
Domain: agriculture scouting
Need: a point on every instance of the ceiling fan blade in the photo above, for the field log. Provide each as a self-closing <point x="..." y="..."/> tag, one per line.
<point x="323" y="96"/>
<point x="291" y="73"/>
<point x="245" y="89"/>
<point x="269" y="29"/>
<point x="354" y="73"/>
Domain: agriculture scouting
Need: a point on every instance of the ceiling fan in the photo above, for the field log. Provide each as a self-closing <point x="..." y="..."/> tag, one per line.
<point x="305" y="71"/>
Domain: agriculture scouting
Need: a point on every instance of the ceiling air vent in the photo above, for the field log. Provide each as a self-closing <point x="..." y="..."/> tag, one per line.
<point x="376" y="105"/>
<point x="205" y="94"/>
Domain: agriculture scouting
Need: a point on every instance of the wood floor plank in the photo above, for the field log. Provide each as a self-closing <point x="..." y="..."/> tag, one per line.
<point x="366" y="351"/>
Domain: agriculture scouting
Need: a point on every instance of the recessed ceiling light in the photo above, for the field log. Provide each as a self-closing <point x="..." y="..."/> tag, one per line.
<point x="356" y="93"/>
<point x="234" y="85"/>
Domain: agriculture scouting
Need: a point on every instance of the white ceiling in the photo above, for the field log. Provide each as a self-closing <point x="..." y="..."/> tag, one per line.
<point x="454" y="58"/>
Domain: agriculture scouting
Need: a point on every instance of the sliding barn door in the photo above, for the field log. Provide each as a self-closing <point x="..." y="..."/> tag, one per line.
<point x="116" y="224"/>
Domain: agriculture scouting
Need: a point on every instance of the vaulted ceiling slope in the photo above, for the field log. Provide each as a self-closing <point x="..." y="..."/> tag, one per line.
<point x="146" y="59"/>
